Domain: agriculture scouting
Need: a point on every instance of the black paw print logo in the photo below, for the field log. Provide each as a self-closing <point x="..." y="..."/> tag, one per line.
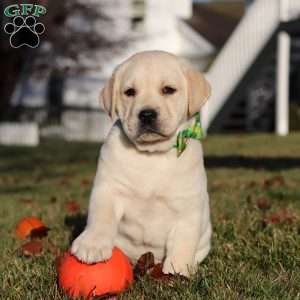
<point x="24" y="32"/>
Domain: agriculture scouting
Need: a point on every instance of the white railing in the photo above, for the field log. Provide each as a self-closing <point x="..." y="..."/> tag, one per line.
<point x="240" y="51"/>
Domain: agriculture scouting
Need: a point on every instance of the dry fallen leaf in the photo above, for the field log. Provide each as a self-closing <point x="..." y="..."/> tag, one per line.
<point x="263" y="203"/>
<point x="39" y="233"/>
<point x="144" y="263"/>
<point x="32" y="248"/>
<point x="281" y="216"/>
<point x="274" y="181"/>
<point x="279" y="180"/>
<point x="72" y="206"/>
<point x="157" y="273"/>
<point x="64" y="182"/>
<point x="84" y="182"/>
<point x="252" y="184"/>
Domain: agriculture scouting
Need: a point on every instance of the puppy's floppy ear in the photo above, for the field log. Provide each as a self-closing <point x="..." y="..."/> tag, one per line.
<point x="108" y="97"/>
<point x="199" y="89"/>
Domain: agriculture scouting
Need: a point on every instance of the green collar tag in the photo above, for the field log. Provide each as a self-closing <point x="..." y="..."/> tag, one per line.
<point x="192" y="132"/>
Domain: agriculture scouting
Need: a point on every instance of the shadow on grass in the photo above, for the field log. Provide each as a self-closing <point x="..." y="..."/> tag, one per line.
<point x="76" y="223"/>
<point x="49" y="154"/>
<point x="239" y="161"/>
<point x="16" y="189"/>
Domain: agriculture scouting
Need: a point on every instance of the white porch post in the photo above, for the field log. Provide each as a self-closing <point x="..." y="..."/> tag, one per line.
<point x="282" y="78"/>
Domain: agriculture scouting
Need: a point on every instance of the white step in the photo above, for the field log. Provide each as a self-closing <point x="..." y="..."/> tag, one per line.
<point x="20" y="134"/>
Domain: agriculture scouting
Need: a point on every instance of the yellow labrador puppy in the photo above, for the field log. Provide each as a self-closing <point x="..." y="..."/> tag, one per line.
<point x="144" y="197"/>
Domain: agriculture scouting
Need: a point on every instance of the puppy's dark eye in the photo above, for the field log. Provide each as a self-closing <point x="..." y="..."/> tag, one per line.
<point x="168" y="90"/>
<point x="131" y="92"/>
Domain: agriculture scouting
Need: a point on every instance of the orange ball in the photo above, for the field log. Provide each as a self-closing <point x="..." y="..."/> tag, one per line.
<point x="85" y="280"/>
<point x="27" y="225"/>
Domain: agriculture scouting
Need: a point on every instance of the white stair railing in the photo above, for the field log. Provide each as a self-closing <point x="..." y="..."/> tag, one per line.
<point x="247" y="41"/>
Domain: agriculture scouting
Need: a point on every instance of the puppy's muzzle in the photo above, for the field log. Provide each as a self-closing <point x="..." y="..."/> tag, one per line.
<point x="148" y="118"/>
<point x="149" y="130"/>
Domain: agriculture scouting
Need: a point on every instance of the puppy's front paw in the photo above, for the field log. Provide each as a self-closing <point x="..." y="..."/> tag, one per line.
<point x="171" y="266"/>
<point x="91" y="248"/>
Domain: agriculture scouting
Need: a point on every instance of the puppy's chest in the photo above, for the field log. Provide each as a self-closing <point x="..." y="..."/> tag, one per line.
<point x="155" y="191"/>
<point x="148" y="221"/>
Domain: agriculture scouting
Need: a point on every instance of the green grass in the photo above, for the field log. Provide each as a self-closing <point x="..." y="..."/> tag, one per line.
<point x="249" y="260"/>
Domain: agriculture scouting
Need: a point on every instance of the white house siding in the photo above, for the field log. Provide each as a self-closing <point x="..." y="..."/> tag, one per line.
<point x="161" y="30"/>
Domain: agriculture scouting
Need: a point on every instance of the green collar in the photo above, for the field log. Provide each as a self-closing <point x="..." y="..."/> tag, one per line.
<point x="193" y="132"/>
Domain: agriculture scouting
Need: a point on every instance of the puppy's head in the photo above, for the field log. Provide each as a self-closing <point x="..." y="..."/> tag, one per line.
<point x="152" y="93"/>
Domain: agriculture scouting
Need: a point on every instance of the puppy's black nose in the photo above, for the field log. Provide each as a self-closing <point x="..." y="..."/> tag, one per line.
<point x="148" y="116"/>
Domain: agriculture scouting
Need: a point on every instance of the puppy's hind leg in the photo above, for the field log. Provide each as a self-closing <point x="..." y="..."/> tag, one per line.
<point x="204" y="245"/>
